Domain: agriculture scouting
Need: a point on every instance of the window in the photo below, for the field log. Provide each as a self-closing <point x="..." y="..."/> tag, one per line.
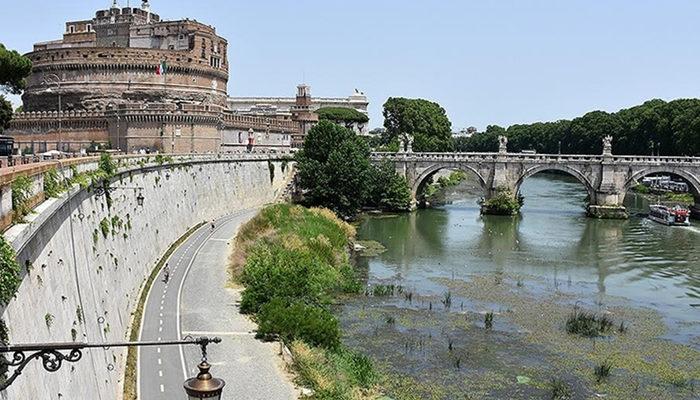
<point x="204" y="46"/>
<point x="89" y="27"/>
<point x="71" y="29"/>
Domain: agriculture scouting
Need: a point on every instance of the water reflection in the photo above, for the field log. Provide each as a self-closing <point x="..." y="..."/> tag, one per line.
<point x="652" y="265"/>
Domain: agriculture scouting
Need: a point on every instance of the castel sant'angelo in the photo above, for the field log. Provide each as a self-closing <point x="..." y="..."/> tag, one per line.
<point x="128" y="80"/>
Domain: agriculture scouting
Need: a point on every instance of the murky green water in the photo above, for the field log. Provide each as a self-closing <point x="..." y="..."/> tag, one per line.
<point x="552" y="249"/>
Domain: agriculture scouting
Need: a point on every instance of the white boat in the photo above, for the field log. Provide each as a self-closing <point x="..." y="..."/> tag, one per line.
<point x="671" y="216"/>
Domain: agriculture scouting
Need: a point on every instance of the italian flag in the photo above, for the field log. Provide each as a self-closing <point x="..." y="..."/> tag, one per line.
<point x="162" y="68"/>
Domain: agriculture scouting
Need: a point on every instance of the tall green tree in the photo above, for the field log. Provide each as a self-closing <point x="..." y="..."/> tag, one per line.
<point x="5" y="113"/>
<point x="426" y="120"/>
<point x="388" y="190"/>
<point x="334" y="168"/>
<point x="14" y="69"/>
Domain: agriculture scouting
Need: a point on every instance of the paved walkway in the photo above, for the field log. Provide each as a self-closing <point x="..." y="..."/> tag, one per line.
<point x="207" y="307"/>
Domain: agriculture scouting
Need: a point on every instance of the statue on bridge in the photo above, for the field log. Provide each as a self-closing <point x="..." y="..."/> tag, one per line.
<point x="502" y="144"/>
<point x="607" y="145"/>
<point x="406" y="143"/>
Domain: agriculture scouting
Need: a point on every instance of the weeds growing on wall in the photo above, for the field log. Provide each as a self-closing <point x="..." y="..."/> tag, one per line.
<point x="53" y="186"/>
<point x="21" y="196"/>
<point x="296" y="264"/>
<point x="9" y="272"/>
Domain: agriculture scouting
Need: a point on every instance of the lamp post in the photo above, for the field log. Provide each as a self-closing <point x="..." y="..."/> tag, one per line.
<point x="54" y="355"/>
<point x="50" y="80"/>
<point x="560" y="147"/>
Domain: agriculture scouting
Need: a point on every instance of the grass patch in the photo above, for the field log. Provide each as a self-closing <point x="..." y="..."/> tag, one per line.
<point x="587" y="324"/>
<point x="560" y="390"/>
<point x="342" y="374"/>
<point x="602" y="370"/>
<point x="130" y="370"/>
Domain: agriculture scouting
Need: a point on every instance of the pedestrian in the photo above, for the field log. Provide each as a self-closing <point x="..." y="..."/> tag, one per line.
<point x="212" y="225"/>
<point x="166" y="273"/>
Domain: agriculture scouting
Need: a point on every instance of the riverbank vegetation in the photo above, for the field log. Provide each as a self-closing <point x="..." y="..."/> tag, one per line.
<point x="335" y="172"/>
<point x="294" y="264"/>
<point x="670" y="197"/>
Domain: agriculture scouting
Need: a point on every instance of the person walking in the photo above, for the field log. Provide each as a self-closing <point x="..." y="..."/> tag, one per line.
<point x="166" y="273"/>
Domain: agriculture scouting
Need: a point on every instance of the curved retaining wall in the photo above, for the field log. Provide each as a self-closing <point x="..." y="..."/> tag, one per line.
<point x="77" y="283"/>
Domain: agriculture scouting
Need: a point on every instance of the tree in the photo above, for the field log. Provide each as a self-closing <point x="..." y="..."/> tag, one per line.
<point x="425" y="120"/>
<point x="388" y="190"/>
<point x="342" y="115"/>
<point x="334" y="168"/>
<point x="5" y="113"/>
<point x="14" y="68"/>
<point x="666" y="128"/>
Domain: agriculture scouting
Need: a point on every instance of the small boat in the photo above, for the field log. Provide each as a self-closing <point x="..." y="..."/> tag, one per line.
<point x="671" y="216"/>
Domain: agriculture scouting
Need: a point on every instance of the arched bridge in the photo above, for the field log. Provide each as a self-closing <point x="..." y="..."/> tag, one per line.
<point x="606" y="177"/>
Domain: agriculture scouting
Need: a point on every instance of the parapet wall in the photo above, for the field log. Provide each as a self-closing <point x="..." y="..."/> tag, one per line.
<point x="84" y="262"/>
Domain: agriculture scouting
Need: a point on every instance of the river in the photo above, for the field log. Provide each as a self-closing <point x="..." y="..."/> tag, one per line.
<point x="451" y="266"/>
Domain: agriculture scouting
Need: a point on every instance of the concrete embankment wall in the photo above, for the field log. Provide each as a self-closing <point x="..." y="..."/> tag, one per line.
<point x="79" y="285"/>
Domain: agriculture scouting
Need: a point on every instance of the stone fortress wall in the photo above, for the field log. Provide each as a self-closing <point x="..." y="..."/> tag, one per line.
<point x="109" y="65"/>
<point x="79" y="285"/>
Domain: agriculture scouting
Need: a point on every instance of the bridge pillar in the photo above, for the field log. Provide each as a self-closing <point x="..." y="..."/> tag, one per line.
<point x="610" y="194"/>
<point x="695" y="210"/>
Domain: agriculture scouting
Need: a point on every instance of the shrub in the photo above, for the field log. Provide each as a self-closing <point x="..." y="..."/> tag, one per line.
<point x="273" y="271"/>
<point x="504" y="202"/>
<point x="291" y="321"/>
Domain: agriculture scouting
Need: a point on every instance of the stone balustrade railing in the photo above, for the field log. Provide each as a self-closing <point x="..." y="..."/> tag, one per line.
<point x="541" y="158"/>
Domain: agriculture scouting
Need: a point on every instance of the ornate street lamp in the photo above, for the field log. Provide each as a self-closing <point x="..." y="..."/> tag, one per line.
<point x="204" y="386"/>
<point x="139" y="199"/>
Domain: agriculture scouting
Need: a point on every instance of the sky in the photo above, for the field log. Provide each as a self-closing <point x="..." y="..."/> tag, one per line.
<point x="486" y="62"/>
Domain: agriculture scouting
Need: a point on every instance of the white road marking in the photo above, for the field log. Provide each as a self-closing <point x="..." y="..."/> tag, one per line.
<point x="199" y="333"/>
<point x="160" y="329"/>
<point x="160" y="362"/>
<point x="158" y="349"/>
<point x="160" y="373"/>
<point x="162" y="389"/>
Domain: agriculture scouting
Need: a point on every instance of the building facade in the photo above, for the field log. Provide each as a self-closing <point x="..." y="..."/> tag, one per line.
<point x="301" y="105"/>
<point x="128" y="80"/>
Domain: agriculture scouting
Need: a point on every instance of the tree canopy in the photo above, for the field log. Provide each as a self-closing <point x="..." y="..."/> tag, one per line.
<point x="342" y="115"/>
<point x="14" y="68"/>
<point x="335" y="172"/>
<point x="666" y="128"/>
<point x="334" y="168"/>
<point x="426" y="120"/>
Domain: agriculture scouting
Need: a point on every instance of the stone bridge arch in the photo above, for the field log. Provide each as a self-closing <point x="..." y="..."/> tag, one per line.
<point x="571" y="171"/>
<point x="422" y="178"/>
<point x="692" y="179"/>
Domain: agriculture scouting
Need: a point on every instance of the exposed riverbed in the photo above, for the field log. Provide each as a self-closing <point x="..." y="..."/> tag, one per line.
<point x="451" y="266"/>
